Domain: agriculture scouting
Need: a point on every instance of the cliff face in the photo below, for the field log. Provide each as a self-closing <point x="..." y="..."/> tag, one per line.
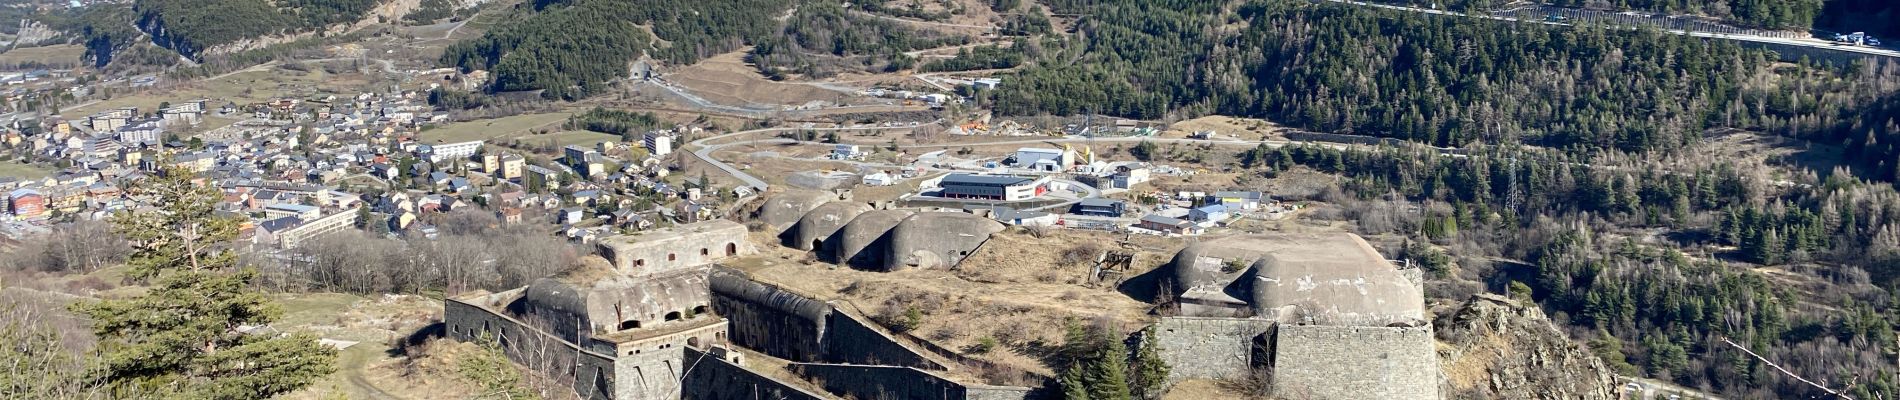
<point x="1495" y="348"/>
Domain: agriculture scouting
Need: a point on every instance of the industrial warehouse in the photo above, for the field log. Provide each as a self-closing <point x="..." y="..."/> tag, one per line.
<point x="992" y="187"/>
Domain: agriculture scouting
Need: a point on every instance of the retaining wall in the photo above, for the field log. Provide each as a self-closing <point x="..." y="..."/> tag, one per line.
<point x="1354" y="362"/>
<point x="851" y="340"/>
<point x="591" y="373"/>
<point x="877" y="382"/>
<point x="1211" y="348"/>
<point x="1309" y="136"/>
<point x="711" y="378"/>
<point x="1791" y="53"/>
<point x="786" y="325"/>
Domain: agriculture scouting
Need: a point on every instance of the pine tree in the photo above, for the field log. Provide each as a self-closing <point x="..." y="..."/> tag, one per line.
<point x="181" y="337"/>
<point x="1073" y="385"/>
<point x="363" y="219"/>
<point x="1149" y="377"/>
<point x="1107" y="375"/>
<point x="1144" y="151"/>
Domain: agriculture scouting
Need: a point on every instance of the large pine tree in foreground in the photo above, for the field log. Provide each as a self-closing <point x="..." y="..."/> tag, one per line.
<point x="191" y="334"/>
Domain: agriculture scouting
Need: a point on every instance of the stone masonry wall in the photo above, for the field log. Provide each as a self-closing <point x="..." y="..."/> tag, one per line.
<point x="1209" y="348"/>
<point x="592" y="374"/>
<point x="850" y="340"/>
<point x="769" y="330"/>
<point x="650" y="368"/>
<point x="710" y="378"/>
<point x="786" y="325"/>
<point x="975" y="392"/>
<point x="877" y="382"/>
<point x="1354" y="362"/>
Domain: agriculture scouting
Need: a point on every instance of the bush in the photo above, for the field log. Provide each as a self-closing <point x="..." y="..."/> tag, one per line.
<point x="1080" y="254"/>
<point x="983" y="345"/>
<point x="901" y="319"/>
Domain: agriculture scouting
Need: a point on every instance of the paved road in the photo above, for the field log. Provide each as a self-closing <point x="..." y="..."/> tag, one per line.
<point x="1812" y="43"/>
<point x="768" y="111"/>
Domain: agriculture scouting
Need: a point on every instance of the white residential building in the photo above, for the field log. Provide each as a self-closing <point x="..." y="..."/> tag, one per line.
<point x="659" y="144"/>
<point x="450" y="151"/>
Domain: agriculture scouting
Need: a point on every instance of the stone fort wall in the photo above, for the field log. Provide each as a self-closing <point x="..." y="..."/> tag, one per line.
<point x="591" y="373"/>
<point x="712" y="378"/>
<point x="878" y="382"/>
<point x="788" y="325"/>
<point x="1354" y="362"/>
<point x="1210" y="348"/>
<point x="598" y="376"/>
<point x="852" y="340"/>
<point x="651" y="368"/>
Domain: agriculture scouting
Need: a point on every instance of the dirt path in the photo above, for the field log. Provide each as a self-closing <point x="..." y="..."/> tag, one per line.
<point x="354" y="361"/>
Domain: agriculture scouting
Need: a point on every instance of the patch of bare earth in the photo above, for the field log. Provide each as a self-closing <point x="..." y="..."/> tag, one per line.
<point x="727" y="79"/>
<point x="1225" y="127"/>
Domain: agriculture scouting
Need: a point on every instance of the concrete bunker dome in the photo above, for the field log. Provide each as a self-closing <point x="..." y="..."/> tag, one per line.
<point x="1326" y="279"/>
<point x="1202" y="266"/>
<point x="1343" y="282"/>
<point x="818" y="227"/>
<point x="937" y="239"/>
<point x="782" y="210"/>
<point x="862" y="241"/>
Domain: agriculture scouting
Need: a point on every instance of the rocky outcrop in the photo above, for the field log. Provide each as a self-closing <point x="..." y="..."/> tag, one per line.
<point x="1496" y="348"/>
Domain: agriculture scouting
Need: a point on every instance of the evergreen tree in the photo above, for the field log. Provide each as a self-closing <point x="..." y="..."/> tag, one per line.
<point x="363" y="219"/>
<point x="1144" y="151"/>
<point x="1149" y="375"/>
<point x="181" y="337"/>
<point x="1074" y="387"/>
<point x="1107" y="374"/>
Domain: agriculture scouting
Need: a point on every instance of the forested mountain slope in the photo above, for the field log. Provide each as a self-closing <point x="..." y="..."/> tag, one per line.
<point x="571" y="48"/>
<point x="822" y="38"/>
<point x="1449" y="81"/>
<point x="192" y="27"/>
<point x="1658" y="265"/>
